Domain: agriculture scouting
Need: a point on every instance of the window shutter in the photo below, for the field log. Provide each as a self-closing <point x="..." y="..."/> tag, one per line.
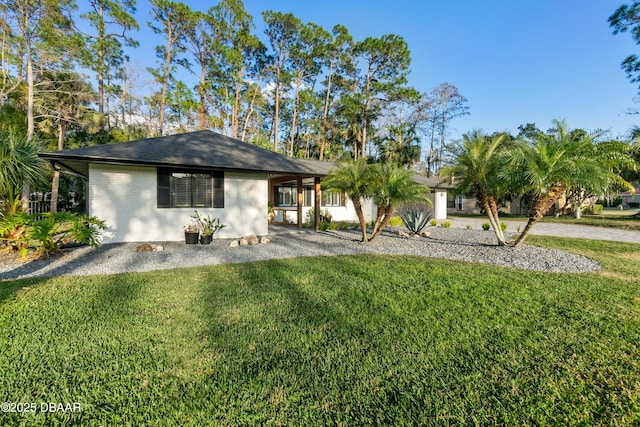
<point x="218" y="189"/>
<point x="164" y="188"/>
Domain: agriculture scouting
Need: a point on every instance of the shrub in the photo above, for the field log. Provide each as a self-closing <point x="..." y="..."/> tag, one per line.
<point x="597" y="209"/>
<point x="415" y="219"/>
<point x="486" y="226"/>
<point x="336" y="225"/>
<point x="445" y="224"/>
<point x="324" y="225"/>
<point x="433" y="223"/>
<point x="469" y="227"/>
<point x="503" y="226"/>
<point x="396" y="221"/>
<point x="47" y="234"/>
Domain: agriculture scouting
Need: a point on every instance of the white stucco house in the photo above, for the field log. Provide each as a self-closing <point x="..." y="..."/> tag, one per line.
<point x="147" y="190"/>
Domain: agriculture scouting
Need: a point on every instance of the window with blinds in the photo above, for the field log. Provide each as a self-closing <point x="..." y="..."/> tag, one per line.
<point x="190" y="189"/>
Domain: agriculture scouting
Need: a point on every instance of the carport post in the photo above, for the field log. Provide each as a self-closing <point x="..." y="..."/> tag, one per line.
<point x="316" y="204"/>
<point x="299" y="185"/>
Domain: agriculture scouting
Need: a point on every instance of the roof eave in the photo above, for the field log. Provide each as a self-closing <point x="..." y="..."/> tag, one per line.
<point x="53" y="158"/>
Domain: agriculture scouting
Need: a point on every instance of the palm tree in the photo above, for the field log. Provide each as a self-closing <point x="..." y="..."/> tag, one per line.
<point x="390" y="186"/>
<point x="350" y="177"/>
<point x="561" y="160"/>
<point x="479" y="169"/>
<point x="400" y="145"/>
<point x="19" y="163"/>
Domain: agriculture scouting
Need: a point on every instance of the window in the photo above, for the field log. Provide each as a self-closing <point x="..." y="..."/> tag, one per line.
<point x="451" y="201"/>
<point x="459" y="200"/>
<point x="307" y="197"/>
<point x="287" y="196"/>
<point x="190" y="189"/>
<point x="332" y="198"/>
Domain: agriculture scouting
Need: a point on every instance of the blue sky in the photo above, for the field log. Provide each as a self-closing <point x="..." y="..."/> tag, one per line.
<point x="515" y="61"/>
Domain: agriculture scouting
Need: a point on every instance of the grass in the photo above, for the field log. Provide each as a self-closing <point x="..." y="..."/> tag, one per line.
<point x="613" y="220"/>
<point x="354" y="340"/>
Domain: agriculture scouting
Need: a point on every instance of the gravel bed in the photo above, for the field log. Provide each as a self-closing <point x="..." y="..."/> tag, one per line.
<point x="454" y="244"/>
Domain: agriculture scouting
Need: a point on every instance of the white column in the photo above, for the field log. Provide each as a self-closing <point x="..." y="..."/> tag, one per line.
<point x="440" y="205"/>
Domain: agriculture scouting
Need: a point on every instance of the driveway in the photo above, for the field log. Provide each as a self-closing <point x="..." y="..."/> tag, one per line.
<point x="557" y="229"/>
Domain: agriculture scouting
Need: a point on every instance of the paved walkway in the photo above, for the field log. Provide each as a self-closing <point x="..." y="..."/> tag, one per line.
<point x="557" y="229"/>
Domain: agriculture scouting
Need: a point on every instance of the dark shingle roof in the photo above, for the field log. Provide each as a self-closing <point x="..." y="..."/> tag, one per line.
<point x="432" y="182"/>
<point x="203" y="149"/>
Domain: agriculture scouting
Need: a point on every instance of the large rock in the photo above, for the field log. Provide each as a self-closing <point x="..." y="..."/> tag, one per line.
<point x="252" y="239"/>
<point x="233" y="244"/>
<point x="265" y="240"/>
<point x="244" y="242"/>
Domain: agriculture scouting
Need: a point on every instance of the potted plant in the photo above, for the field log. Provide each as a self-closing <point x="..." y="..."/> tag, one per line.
<point x="191" y="233"/>
<point x="208" y="226"/>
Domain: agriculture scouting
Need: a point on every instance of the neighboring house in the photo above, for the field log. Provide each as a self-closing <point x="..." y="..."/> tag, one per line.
<point x="632" y="198"/>
<point x="459" y="204"/>
<point x="147" y="190"/>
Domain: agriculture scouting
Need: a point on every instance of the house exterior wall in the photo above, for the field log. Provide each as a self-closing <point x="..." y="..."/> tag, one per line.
<point x="125" y="197"/>
<point x="468" y="206"/>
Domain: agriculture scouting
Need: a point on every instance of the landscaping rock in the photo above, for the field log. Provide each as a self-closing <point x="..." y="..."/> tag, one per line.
<point x="233" y="244"/>
<point x="252" y="239"/>
<point x="403" y="234"/>
<point x="264" y="240"/>
<point x="244" y="242"/>
<point x="157" y="248"/>
<point x="425" y="234"/>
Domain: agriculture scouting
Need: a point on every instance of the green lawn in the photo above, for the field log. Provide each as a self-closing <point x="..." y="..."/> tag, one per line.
<point x="626" y="220"/>
<point x="352" y="340"/>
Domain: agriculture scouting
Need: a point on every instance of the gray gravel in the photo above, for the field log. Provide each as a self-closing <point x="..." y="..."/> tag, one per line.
<point x="455" y="244"/>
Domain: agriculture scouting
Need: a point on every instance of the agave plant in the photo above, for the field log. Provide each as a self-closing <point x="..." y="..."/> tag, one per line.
<point x="415" y="219"/>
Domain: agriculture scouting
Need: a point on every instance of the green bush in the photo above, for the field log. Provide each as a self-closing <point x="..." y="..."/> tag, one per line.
<point x="445" y="224"/>
<point x="335" y="225"/>
<point x="597" y="209"/>
<point x="503" y="226"/>
<point x="396" y="221"/>
<point x="324" y="225"/>
<point x="433" y="223"/>
<point x="486" y="226"/>
<point x="469" y="227"/>
<point x="46" y="233"/>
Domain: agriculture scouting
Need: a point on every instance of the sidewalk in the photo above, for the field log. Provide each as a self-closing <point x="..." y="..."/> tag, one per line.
<point x="556" y="229"/>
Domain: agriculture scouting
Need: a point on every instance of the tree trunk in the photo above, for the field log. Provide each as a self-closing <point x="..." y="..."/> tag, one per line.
<point x="382" y="210"/>
<point x="30" y="120"/>
<point x="246" y="120"/>
<point x="165" y="83"/>
<point x="295" y="116"/>
<point x="235" y="111"/>
<point x="388" y="214"/>
<point x="363" y="223"/>
<point x="55" y="183"/>
<point x="493" y="205"/>
<point x="202" y="108"/>
<point x="325" y="113"/>
<point x="540" y="207"/>
<point x="494" y="221"/>
<point x="276" y="112"/>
